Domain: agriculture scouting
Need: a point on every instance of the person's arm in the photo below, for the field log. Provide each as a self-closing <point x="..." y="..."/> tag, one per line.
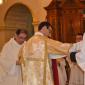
<point x="58" y="47"/>
<point x="4" y="62"/>
<point x="73" y="48"/>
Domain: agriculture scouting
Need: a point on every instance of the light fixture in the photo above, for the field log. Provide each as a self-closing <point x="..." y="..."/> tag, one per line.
<point x="1" y="1"/>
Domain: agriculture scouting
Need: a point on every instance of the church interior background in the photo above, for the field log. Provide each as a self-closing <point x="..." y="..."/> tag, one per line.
<point x="66" y="16"/>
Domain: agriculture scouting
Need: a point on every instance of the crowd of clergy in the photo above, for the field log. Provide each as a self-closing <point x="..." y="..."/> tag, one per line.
<point x="70" y="66"/>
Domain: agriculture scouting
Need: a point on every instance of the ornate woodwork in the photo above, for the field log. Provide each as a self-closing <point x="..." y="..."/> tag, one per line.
<point x="67" y="18"/>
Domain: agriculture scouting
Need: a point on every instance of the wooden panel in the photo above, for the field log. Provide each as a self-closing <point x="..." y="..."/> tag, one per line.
<point x="66" y="19"/>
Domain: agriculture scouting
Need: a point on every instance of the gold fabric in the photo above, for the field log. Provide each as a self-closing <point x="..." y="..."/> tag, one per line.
<point x="36" y="68"/>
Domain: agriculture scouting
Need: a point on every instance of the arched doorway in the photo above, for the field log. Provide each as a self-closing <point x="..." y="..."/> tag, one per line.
<point x="18" y="16"/>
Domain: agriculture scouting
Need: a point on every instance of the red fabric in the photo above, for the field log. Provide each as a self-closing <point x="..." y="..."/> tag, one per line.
<point x="55" y="72"/>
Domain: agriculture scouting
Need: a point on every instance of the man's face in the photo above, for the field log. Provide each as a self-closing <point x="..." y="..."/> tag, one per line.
<point x="48" y="31"/>
<point x="79" y="38"/>
<point x="20" y="38"/>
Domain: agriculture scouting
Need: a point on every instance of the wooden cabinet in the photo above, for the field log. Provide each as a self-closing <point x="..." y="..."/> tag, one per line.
<point x="67" y="19"/>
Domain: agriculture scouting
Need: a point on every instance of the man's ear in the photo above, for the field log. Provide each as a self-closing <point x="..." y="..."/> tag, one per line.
<point x="15" y="36"/>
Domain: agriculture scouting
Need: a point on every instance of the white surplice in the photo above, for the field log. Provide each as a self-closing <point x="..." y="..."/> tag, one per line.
<point x="76" y="74"/>
<point x="9" y="71"/>
<point x="80" y="57"/>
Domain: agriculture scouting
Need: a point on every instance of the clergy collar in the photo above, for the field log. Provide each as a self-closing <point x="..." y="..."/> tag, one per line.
<point x="39" y="33"/>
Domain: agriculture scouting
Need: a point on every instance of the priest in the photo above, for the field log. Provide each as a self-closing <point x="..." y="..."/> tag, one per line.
<point x="34" y="57"/>
<point x="79" y="57"/>
<point x="10" y="73"/>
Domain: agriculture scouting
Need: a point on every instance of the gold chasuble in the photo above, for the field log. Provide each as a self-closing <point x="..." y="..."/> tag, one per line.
<point x="36" y="65"/>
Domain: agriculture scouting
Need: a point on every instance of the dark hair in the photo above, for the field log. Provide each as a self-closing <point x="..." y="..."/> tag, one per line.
<point x="42" y="24"/>
<point x="18" y="31"/>
<point x="81" y="34"/>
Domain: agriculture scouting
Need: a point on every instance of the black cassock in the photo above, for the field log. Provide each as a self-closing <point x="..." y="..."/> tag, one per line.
<point x="73" y="57"/>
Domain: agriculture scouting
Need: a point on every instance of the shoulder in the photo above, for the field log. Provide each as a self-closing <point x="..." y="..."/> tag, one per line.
<point x="36" y="38"/>
<point x="6" y="45"/>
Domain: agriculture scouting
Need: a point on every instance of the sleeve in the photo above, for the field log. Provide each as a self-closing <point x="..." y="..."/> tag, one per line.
<point x="73" y="48"/>
<point x="5" y="57"/>
<point x="57" y="47"/>
<point x="3" y="63"/>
